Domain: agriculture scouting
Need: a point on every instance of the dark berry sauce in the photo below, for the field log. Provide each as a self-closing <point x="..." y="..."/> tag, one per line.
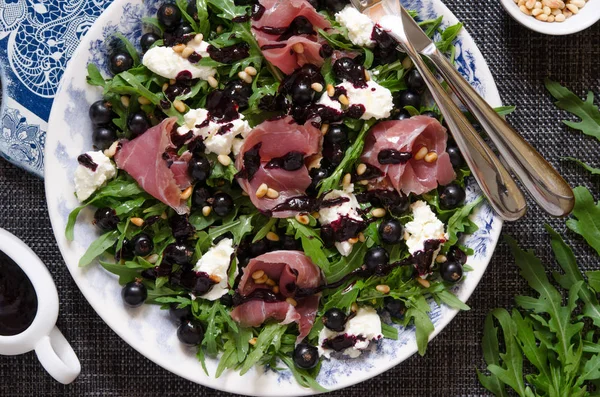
<point x="251" y="161"/>
<point x="393" y="156"/>
<point x="18" y="300"/>
<point x="299" y="25"/>
<point x="86" y="161"/>
<point x="342" y="342"/>
<point x="345" y="228"/>
<point x="292" y="161"/>
<point x="230" y="54"/>
<point x="423" y="259"/>
<point x="260" y="294"/>
<point x="257" y="11"/>
<point x="272" y="46"/>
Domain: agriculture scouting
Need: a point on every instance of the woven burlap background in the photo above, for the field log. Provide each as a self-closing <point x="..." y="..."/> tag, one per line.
<point x="519" y="60"/>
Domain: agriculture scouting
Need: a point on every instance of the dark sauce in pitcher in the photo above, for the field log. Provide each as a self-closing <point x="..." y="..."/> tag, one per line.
<point x="18" y="300"/>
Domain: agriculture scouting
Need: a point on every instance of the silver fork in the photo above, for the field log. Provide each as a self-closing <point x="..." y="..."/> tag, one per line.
<point x="496" y="183"/>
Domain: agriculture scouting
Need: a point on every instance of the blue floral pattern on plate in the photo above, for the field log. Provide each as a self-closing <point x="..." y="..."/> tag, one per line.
<point x="148" y="330"/>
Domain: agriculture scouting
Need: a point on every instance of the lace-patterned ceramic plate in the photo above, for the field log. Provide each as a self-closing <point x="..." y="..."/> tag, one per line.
<point x="148" y="329"/>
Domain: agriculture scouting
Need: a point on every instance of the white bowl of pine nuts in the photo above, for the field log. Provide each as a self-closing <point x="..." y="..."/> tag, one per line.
<point x="554" y="17"/>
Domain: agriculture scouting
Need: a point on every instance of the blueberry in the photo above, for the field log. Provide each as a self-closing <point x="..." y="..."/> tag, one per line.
<point x="451" y="196"/>
<point x="451" y="271"/>
<point x="395" y="307"/>
<point x="177" y="253"/>
<point x="142" y="244"/>
<point x="456" y="254"/>
<point x="222" y="204"/>
<point x="414" y="81"/>
<point x="103" y="137"/>
<point x="456" y="158"/>
<point x="376" y="257"/>
<point x="391" y="231"/>
<point x="335" y="319"/>
<point x="302" y="93"/>
<point x="106" y="219"/>
<point x="138" y="123"/>
<point x="347" y="69"/>
<point x="259" y="247"/>
<point x="203" y="285"/>
<point x="190" y="333"/>
<point x="183" y="30"/>
<point x="306" y="356"/>
<point x="336" y="133"/>
<point x="226" y="300"/>
<point x="192" y="10"/>
<point x="173" y="91"/>
<point x="408" y="98"/>
<point x="179" y="315"/>
<point x="400" y="206"/>
<point x="317" y="175"/>
<point x="147" y="40"/>
<point x="134" y="294"/>
<point x="120" y="61"/>
<point x="239" y="92"/>
<point x="200" y="196"/>
<point x="199" y="168"/>
<point x="101" y="112"/>
<point x="401" y="115"/>
<point x="334" y="6"/>
<point x="169" y="16"/>
<point x="290" y="243"/>
<point x="126" y="251"/>
<point x="333" y="153"/>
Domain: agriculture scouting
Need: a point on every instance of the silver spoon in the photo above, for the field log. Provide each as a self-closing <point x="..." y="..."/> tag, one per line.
<point x="496" y="183"/>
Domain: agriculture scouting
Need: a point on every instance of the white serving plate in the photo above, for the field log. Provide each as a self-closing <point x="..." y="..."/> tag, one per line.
<point x="148" y="329"/>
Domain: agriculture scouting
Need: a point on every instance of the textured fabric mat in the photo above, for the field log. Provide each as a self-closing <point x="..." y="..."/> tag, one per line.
<point x="519" y="60"/>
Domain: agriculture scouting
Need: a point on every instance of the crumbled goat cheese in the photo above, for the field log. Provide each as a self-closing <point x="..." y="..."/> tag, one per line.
<point x="424" y="226"/>
<point x="88" y="181"/>
<point x="332" y="214"/>
<point x="366" y="326"/>
<point x="216" y="263"/>
<point x="214" y="141"/>
<point x="377" y="100"/>
<point x="360" y="26"/>
<point x="167" y="63"/>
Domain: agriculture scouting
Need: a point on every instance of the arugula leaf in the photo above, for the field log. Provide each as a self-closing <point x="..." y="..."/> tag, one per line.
<point x="424" y="327"/>
<point x="491" y="354"/>
<point x="304" y="377"/>
<point x="594" y="171"/>
<point x="311" y="244"/>
<point x="448" y="36"/>
<point x="125" y="274"/>
<point x="94" y="77"/>
<point x="594" y="279"/>
<point x="459" y="222"/>
<point x="451" y="300"/>
<point x="98" y="247"/>
<point x="586" y="111"/>
<point x="238" y="227"/>
<point x="587" y="217"/>
<point x="268" y="334"/>
<point x="347" y="264"/>
<point x="264" y="230"/>
<point x="129" y="47"/>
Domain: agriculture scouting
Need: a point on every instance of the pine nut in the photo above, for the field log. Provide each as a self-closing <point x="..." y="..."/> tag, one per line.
<point x="537" y="11"/>
<point x="258" y="274"/>
<point x="441" y="259"/>
<point x="212" y="82"/>
<point x="361" y="237"/>
<point x="272" y="236"/>
<point x="344" y="100"/>
<point x="424" y="283"/>
<point x="538" y="4"/>
<point x="214" y="278"/>
<point x="179" y="48"/>
<point x="550" y="18"/>
<point x="524" y="10"/>
<point x="547" y="10"/>
<point x="567" y="13"/>
<point x="542" y="17"/>
<point x="270" y="283"/>
<point x="559" y="18"/>
<point x="125" y="101"/>
<point x="165" y="86"/>
<point x="245" y="76"/>
<point x="430" y="157"/>
<point x="520" y="3"/>
<point x="272" y="193"/>
<point x="152" y="258"/>
<point x="573" y="8"/>
<point x="253" y="341"/>
<point x="261" y="280"/>
<point x="139" y="222"/>
<point x="219" y="29"/>
<point x="364" y="182"/>
<point x="275" y="289"/>
<point x="421" y="153"/>
<point x="179" y="105"/>
<point x="384" y="289"/>
<point x="354" y="307"/>
<point x="186" y="193"/>
<point x="172" y="81"/>
<point x="303" y="219"/>
<point x="347" y="180"/>
<point x="353" y="240"/>
<point x="530" y="4"/>
<point x="554" y="3"/>
<point x="578" y="3"/>
<point x="198" y="38"/>
<point x="407" y="63"/>
<point x="187" y="51"/>
<point x="378" y="212"/>
<point x="164" y="216"/>
<point x="144" y="101"/>
<point x="224" y="159"/>
<point x="318" y="87"/>
<point x="556" y="11"/>
<point x="315" y="215"/>
<point x="330" y="90"/>
<point x="251" y="70"/>
<point x="291" y="301"/>
<point x="324" y="128"/>
<point x="112" y="150"/>
<point x="298" y="48"/>
<point x="367" y="75"/>
<point x="206" y="210"/>
<point x="361" y="169"/>
<point x="262" y="190"/>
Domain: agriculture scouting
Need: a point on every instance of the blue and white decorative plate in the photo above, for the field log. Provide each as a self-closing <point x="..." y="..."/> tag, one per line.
<point x="147" y="328"/>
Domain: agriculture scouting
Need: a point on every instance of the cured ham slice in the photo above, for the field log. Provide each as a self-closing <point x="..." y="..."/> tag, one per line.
<point x="277" y="18"/>
<point x="180" y="170"/>
<point x="410" y="135"/>
<point x="292" y="270"/>
<point x="275" y="139"/>
<point x="142" y="158"/>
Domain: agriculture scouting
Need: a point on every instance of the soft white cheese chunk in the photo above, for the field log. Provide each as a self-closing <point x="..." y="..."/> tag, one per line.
<point x="366" y="325"/>
<point x="328" y="101"/>
<point x="216" y="263"/>
<point x="167" y="63"/>
<point x="215" y="142"/>
<point x="332" y="214"/>
<point x="424" y="226"/>
<point x="377" y="100"/>
<point x="88" y="181"/>
<point x="360" y="26"/>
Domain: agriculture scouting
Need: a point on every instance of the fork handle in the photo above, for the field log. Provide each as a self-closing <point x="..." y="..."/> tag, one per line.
<point x="496" y="183"/>
<point x="544" y="183"/>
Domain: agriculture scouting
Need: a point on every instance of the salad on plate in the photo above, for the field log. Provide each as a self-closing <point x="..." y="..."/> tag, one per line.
<point x="274" y="174"/>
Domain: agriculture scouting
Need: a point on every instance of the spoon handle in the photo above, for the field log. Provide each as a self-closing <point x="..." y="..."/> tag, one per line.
<point x="544" y="183"/>
<point x="496" y="183"/>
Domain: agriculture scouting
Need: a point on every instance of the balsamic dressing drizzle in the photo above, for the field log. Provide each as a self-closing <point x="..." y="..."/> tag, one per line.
<point x="18" y="299"/>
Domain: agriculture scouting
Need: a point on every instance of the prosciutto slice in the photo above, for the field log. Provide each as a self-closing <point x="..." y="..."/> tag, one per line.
<point x="142" y="158"/>
<point x="409" y="135"/>
<point x="180" y="170"/>
<point x="280" y="14"/>
<point x="277" y="138"/>
<point x="292" y="270"/>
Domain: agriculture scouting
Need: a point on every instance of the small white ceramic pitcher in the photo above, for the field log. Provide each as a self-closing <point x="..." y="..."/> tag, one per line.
<point x="41" y="335"/>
